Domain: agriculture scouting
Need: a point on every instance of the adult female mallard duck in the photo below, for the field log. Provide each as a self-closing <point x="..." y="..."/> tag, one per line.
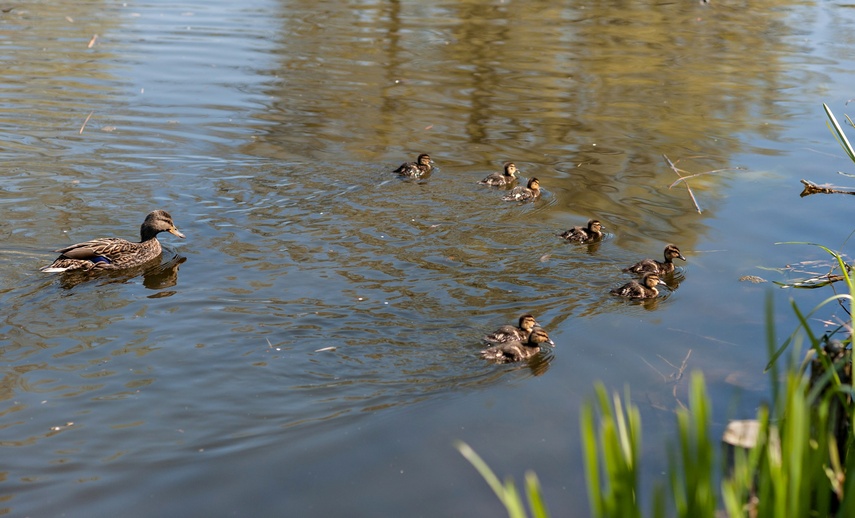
<point x="519" y="193"/>
<point x="509" y="333"/>
<point x="646" y="289"/>
<point x="112" y="253"/>
<point x="593" y="232"/>
<point x="507" y="177"/>
<point x="654" y="266"/>
<point x="516" y="350"/>
<point x="422" y="166"/>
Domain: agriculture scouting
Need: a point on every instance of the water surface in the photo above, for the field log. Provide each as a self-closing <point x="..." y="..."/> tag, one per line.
<point x="311" y="348"/>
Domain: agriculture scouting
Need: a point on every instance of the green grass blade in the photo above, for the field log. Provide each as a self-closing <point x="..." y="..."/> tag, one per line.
<point x="535" y="499"/>
<point x="837" y="131"/>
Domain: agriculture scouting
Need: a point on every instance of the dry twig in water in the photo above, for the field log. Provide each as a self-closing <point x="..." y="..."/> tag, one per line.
<point x="677" y="171"/>
<point x="84" y="123"/>
<point x="684" y="178"/>
<point x="675" y="376"/>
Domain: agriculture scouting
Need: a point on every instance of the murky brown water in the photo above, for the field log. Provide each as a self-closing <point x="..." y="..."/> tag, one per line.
<point x="310" y="348"/>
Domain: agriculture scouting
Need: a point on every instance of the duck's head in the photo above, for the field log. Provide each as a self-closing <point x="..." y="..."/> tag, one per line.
<point x="651" y="280"/>
<point x="595" y="226"/>
<point x="158" y="221"/>
<point x="511" y="169"/>
<point x="538" y="336"/>
<point x="672" y="252"/>
<point x="533" y="184"/>
<point x="424" y="159"/>
<point x="527" y="322"/>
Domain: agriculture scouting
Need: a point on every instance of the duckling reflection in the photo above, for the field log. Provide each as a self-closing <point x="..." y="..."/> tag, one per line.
<point x="516" y="350"/>
<point x="587" y="234"/>
<point x="653" y="266"/>
<point x="501" y="179"/>
<point x="421" y="167"/>
<point x="522" y="194"/>
<point x="646" y="289"/>
<point x="510" y="333"/>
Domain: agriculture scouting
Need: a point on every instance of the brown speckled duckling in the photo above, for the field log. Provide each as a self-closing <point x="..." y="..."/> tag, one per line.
<point x="519" y="193"/>
<point x="593" y="232"/>
<point x="646" y="289"/>
<point x="112" y="253"/>
<point x="509" y="333"/>
<point x="654" y="266"/>
<point x="422" y="166"/>
<point x="516" y="350"/>
<point x="504" y="178"/>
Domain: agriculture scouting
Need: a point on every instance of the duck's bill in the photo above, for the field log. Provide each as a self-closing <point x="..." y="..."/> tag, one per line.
<point x="174" y="231"/>
<point x="551" y="343"/>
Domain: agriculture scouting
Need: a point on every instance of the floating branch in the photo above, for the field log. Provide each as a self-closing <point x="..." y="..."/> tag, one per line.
<point x="85" y="122"/>
<point x="677" y="172"/>
<point x="684" y="177"/>
<point x="812" y="188"/>
<point x="714" y="171"/>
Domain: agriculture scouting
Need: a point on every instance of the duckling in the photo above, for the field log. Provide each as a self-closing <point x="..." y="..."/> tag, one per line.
<point x="654" y="266"/>
<point x="646" y="289"/>
<point x="500" y="179"/>
<point x="516" y="350"/>
<point x="422" y="166"/>
<point x="593" y="232"/>
<point x="112" y="253"/>
<point x="519" y="193"/>
<point x="509" y="333"/>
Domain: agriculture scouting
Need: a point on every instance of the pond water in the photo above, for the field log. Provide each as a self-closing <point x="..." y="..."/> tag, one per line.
<point x="310" y="349"/>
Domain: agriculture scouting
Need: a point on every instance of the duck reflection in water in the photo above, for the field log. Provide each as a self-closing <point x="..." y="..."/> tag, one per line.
<point x="156" y="275"/>
<point x="164" y="275"/>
